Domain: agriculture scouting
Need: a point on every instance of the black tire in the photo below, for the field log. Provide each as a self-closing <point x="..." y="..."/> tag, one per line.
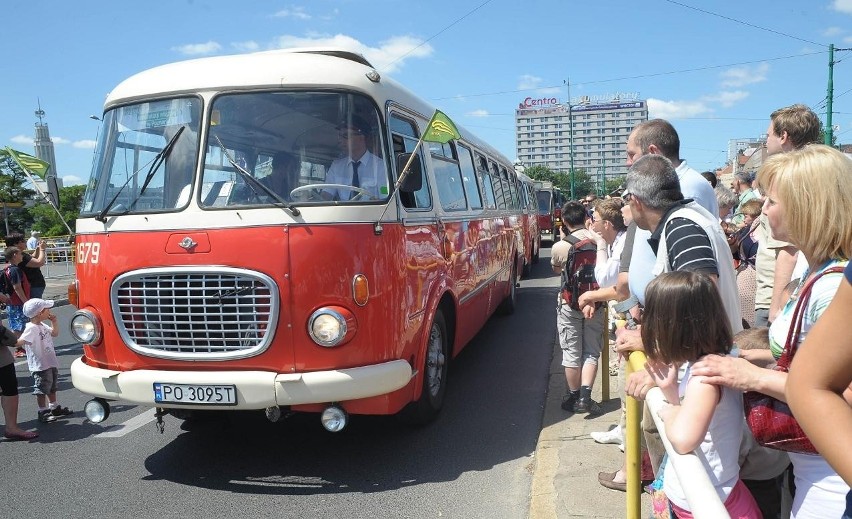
<point x="507" y="307"/>
<point x="435" y="364"/>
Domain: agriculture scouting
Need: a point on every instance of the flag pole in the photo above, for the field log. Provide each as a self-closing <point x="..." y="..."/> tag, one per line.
<point x="377" y="229"/>
<point x="47" y="199"/>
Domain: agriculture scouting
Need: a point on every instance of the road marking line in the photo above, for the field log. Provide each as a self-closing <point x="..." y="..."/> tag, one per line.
<point x="117" y="431"/>
<point x="63" y="350"/>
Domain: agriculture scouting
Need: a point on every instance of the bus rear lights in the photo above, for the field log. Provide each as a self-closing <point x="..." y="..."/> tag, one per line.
<point x="331" y="326"/>
<point x="86" y="327"/>
<point x="97" y="410"/>
<point x="360" y="289"/>
<point x="334" y="418"/>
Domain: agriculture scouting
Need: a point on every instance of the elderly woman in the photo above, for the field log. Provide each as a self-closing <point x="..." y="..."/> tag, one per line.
<point x="796" y="184"/>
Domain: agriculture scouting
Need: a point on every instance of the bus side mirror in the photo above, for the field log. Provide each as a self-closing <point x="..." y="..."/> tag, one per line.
<point x="413" y="180"/>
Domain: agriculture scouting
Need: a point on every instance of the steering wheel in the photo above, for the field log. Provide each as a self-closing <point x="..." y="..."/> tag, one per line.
<point x="361" y="192"/>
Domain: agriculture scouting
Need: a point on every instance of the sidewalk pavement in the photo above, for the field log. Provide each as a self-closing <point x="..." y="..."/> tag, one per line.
<point x="567" y="460"/>
<point x="57" y="287"/>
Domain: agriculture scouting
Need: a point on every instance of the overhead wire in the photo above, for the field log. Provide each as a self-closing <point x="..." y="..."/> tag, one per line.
<point x="424" y="42"/>
<point x="747" y="24"/>
<point x="641" y="76"/>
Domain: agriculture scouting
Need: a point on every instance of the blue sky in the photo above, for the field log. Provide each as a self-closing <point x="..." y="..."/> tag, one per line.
<point x="716" y="69"/>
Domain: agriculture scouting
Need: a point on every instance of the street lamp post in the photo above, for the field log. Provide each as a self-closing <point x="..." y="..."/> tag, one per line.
<point x="570" y="137"/>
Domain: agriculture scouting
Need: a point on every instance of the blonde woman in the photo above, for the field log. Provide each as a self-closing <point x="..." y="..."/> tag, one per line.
<point x="808" y="195"/>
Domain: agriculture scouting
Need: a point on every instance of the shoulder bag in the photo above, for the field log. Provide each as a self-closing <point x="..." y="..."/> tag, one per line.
<point x="770" y="420"/>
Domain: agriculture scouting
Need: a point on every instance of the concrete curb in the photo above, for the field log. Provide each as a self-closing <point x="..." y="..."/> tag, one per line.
<point x="567" y="461"/>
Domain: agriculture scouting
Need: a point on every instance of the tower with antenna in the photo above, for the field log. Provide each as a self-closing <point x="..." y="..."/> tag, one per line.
<point x="43" y="144"/>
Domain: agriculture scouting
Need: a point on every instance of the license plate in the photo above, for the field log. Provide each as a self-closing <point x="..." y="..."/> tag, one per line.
<point x="200" y="394"/>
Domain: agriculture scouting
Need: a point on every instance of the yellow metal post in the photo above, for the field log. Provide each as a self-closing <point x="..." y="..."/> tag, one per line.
<point x="632" y="449"/>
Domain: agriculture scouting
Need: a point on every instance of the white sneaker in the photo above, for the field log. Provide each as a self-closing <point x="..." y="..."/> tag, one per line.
<point x="614" y="436"/>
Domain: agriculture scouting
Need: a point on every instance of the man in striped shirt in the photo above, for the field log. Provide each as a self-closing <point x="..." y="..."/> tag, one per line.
<point x="684" y="235"/>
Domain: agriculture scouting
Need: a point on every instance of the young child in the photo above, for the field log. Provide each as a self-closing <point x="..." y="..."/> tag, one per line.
<point x="684" y="320"/>
<point x="41" y="357"/>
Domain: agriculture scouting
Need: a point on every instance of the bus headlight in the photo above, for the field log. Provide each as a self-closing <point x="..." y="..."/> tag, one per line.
<point x="331" y="326"/>
<point x="86" y="327"/>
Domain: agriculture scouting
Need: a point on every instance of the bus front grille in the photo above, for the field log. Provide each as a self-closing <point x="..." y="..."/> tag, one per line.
<point x="195" y="313"/>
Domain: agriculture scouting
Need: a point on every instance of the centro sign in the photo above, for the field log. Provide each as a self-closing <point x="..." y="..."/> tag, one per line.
<point x="538" y="103"/>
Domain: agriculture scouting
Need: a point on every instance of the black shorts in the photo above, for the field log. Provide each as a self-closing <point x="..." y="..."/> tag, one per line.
<point x="8" y="380"/>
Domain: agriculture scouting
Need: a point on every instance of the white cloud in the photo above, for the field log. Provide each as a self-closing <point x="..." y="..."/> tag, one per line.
<point x="529" y="82"/>
<point x="844" y="6"/>
<point x="23" y="139"/>
<point x="197" y="49"/>
<point x="294" y="12"/>
<point x="72" y="180"/>
<point x="59" y="140"/>
<point x="85" y="144"/>
<point x="245" y="46"/>
<point x="832" y="31"/>
<point x="726" y="99"/>
<point x="745" y="75"/>
<point x="389" y="56"/>
<point x="478" y="113"/>
<point x="657" y="108"/>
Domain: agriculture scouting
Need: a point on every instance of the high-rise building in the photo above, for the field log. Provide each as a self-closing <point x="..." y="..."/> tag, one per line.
<point x="595" y="129"/>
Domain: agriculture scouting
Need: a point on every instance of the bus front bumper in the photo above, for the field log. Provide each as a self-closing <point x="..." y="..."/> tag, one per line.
<point x="254" y="389"/>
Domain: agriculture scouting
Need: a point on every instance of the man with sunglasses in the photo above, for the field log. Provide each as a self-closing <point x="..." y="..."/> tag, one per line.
<point x="357" y="167"/>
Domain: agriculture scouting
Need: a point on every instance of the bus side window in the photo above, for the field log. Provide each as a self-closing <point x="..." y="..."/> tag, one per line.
<point x="471" y="187"/>
<point x="449" y="182"/>
<point x="404" y="132"/>
<point x="500" y="190"/>
<point x="485" y="182"/>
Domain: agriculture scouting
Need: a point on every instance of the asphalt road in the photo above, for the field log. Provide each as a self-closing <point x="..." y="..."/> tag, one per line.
<point x="474" y="461"/>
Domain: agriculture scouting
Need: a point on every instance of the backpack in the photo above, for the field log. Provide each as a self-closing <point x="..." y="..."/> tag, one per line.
<point x="578" y="276"/>
<point x="5" y="283"/>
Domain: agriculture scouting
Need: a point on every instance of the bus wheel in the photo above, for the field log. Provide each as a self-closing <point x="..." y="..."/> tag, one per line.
<point x="507" y="307"/>
<point x="434" y="368"/>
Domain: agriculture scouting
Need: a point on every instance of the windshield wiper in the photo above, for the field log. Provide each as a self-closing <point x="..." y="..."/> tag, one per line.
<point x="155" y="165"/>
<point x="254" y="183"/>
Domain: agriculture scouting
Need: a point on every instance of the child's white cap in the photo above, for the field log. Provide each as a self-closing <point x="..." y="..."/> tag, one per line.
<point x="35" y="305"/>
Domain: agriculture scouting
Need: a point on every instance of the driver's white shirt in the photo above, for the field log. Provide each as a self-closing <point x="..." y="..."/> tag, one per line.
<point x="372" y="176"/>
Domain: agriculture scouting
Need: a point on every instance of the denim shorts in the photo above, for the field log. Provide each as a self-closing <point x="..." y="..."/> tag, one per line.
<point x="45" y="381"/>
<point x="17" y="319"/>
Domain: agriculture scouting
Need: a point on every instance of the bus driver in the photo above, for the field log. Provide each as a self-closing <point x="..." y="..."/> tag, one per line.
<point x="357" y="167"/>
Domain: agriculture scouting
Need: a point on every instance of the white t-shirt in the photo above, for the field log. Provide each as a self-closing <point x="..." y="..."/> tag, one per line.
<point x="40" y="351"/>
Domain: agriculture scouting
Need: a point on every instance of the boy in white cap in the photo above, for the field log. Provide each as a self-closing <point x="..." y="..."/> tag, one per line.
<point x="37" y="338"/>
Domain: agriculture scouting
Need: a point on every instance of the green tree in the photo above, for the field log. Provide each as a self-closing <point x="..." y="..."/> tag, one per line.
<point x="613" y="184"/>
<point x="13" y="190"/>
<point x="583" y="183"/>
<point x="47" y="221"/>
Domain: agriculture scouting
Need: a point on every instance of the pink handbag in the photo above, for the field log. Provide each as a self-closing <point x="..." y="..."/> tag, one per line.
<point x="770" y="420"/>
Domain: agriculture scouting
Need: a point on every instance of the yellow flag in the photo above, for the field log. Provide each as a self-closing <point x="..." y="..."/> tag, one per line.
<point x="440" y="129"/>
<point x="28" y="162"/>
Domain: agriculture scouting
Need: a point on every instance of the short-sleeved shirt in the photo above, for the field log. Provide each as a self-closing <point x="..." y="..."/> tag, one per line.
<point x="34" y="275"/>
<point x="689" y="247"/>
<point x="767" y="249"/>
<point x="41" y="354"/>
<point x="372" y="176"/>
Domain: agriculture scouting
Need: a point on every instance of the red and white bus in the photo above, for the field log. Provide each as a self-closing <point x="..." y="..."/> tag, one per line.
<point x="202" y="284"/>
<point x="550" y="202"/>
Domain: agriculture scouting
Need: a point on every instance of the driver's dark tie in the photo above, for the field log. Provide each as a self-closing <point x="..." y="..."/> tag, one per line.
<point x="356" y="181"/>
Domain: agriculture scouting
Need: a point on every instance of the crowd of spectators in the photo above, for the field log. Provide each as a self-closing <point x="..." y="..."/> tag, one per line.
<point x="758" y="244"/>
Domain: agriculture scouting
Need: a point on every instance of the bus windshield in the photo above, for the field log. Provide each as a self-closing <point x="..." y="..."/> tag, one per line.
<point x="262" y="149"/>
<point x="146" y="154"/>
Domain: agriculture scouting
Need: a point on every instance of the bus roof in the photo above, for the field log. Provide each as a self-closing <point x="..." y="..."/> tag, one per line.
<point x="325" y="68"/>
